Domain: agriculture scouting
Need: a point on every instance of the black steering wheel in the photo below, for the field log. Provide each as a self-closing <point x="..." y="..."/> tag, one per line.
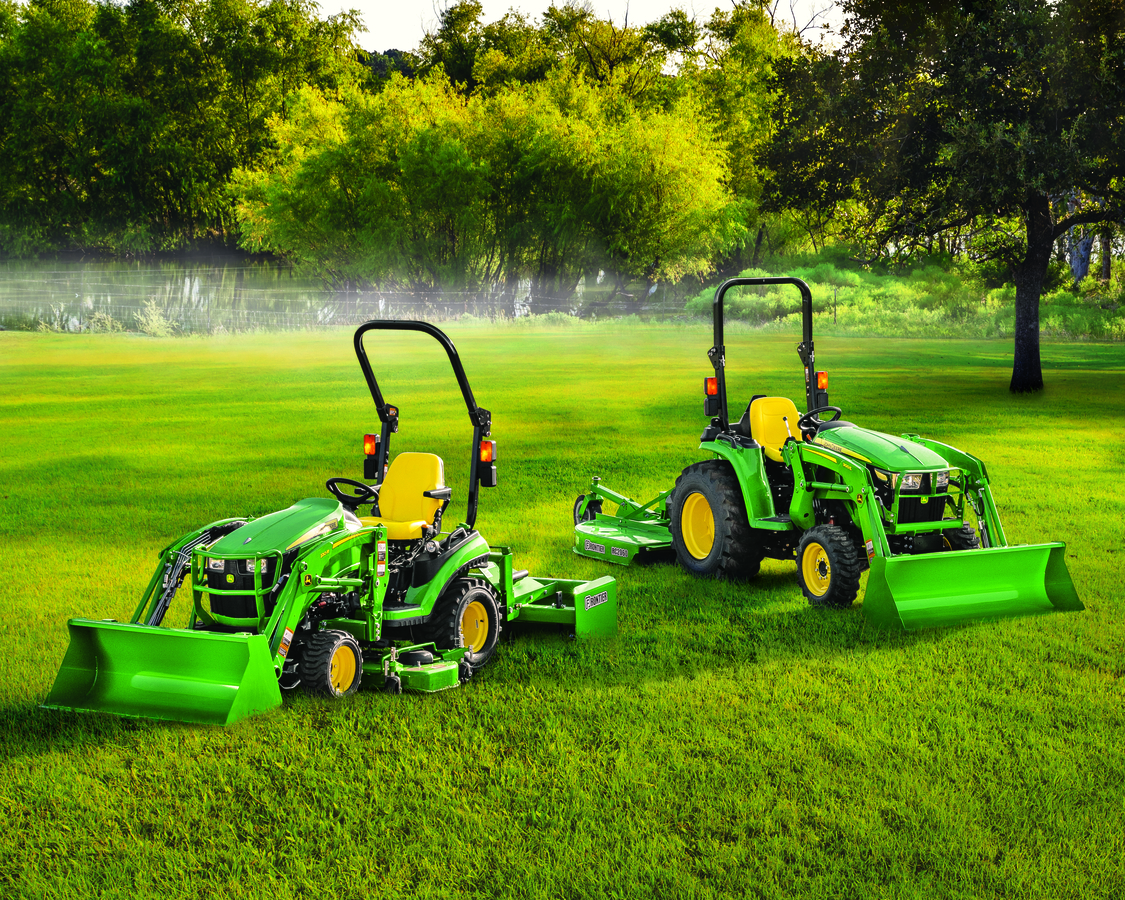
<point x="811" y="420"/>
<point x="362" y="493"/>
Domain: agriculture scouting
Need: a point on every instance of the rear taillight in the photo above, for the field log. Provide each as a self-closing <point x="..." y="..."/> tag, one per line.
<point x="486" y="469"/>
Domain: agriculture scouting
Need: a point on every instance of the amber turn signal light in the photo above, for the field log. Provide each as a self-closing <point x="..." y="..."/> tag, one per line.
<point x="370" y="444"/>
<point x="822" y="381"/>
<point x="488" y="451"/>
<point x="711" y="386"/>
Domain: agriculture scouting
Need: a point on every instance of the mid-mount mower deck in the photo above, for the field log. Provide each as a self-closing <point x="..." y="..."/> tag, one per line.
<point x="318" y="596"/>
<point x="837" y="499"/>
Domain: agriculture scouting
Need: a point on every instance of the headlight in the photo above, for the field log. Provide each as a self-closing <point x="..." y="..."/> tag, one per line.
<point x="216" y="565"/>
<point x="248" y="566"/>
<point x="942" y="480"/>
<point x="911" y="482"/>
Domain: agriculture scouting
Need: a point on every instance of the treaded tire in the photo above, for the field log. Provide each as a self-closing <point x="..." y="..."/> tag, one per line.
<point x="592" y="509"/>
<point x="828" y="566"/>
<point x="963" y="538"/>
<point x="445" y="629"/>
<point x="733" y="553"/>
<point x="325" y="668"/>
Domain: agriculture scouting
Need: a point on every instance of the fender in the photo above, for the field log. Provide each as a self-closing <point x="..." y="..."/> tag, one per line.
<point x="750" y="469"/>
<point x="425" y="596"/>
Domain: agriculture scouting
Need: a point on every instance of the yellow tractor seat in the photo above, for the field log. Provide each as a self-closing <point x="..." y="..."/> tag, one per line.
<point x="402" y="507"/>
<point x="767" y="424"/>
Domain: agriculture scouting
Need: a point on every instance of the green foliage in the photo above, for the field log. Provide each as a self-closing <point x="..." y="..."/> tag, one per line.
<point x="1006" y="120"/>
<point x="886" y="117"/>
<point x="152" y="321"/>
<point x="734" y="80"/>
<point x="120" y="125"/>
<point x="103" y="323"/>
<point x="931" y="300"/>
<point x="730" y="741"/>
<point x="418" y="187"/>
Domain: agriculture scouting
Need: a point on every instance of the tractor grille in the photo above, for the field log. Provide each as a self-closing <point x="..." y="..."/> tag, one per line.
<point x="912" y="509"/>
<point x="241" y="579"/>
<point x="239" y="606"/>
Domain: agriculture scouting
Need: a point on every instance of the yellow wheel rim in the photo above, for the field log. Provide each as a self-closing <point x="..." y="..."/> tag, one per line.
<point x="474" y="626"/>
<point x="816" y="570"/>
<point x="697" y="525"/>
<point x="342" y="673"/>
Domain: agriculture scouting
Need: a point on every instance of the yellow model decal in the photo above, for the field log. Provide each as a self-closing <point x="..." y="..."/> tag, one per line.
<point x="316" y="531"/>
<point x="840" y="449"/>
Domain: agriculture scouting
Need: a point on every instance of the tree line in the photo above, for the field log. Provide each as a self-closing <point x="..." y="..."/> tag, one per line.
<point x="515" y="158"/>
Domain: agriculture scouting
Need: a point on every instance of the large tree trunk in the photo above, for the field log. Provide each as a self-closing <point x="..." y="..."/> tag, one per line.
<point x="1027" y="372"/>
<point x="1107" y="249"/>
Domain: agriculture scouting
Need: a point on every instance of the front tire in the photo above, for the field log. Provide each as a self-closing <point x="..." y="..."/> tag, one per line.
<point x="332" y="664"/>
<point x="828" y="566"/>
<point x="963" y="538"/>
<point x="710" y="532"/>
<point x="467" y="615"/>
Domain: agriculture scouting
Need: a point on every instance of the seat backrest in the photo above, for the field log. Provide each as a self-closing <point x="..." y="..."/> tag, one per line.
<point x="400" y="496"/>
<point x="767" y="423"/>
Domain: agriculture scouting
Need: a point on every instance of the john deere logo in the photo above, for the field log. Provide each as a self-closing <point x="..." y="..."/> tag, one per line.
<point x="594" y="548"/>
<point x="596" y="599"/>
<point x="230" y="579"/>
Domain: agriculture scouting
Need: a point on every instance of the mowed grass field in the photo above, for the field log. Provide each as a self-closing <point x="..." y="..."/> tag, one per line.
<point x="730" y="742"/>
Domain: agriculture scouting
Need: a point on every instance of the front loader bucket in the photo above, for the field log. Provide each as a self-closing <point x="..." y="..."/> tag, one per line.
<point x="935" y="589"/>
<point x="165" y="673"/>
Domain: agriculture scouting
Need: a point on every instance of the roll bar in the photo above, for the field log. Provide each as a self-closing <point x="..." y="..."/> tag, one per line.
<point x="480" y="418"/>
<point x="717" y="354"/>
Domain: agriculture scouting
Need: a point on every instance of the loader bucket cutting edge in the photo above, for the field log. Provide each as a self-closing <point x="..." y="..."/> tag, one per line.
<point x="164" y="673"/>
<point x="939" y="589"/>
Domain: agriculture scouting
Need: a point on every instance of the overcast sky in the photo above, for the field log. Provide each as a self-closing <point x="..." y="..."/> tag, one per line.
<point x="400" y="24"/>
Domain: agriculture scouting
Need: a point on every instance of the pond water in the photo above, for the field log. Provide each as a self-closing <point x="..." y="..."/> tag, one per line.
<point x="193" y="294"/>
<point x="211" y="294"/>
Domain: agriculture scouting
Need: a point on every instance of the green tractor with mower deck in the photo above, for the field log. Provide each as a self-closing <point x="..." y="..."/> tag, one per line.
<point x="837" y="499"/>
<point x="322" y="597"/>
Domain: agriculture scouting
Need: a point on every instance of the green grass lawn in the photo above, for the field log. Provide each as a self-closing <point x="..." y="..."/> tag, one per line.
<point x="731" y="741"/>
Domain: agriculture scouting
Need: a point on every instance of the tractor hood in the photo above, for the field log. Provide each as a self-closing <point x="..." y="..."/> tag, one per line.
<point x="895" y="454"/>
<point x="279" y="531"/>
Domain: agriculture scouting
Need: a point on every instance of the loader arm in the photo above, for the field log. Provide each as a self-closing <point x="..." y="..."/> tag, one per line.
<point x="173" y="564"/>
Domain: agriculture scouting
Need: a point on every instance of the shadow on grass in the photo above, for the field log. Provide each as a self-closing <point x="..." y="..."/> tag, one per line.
<point x="27" y="729"/>
<point x="673" y="627"/>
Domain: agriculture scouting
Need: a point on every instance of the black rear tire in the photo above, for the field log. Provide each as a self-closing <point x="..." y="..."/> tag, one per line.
<point x="592" y="509"/>
<point x="828" y="566"/>
<point x="331" y="664"/>
<point x="466" y="615"/>
<point x="710" y="531"/>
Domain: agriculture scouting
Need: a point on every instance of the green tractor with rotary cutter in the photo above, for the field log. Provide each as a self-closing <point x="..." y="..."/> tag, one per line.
<point x="322" y="597"/>
<point x="837" y="499"/>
